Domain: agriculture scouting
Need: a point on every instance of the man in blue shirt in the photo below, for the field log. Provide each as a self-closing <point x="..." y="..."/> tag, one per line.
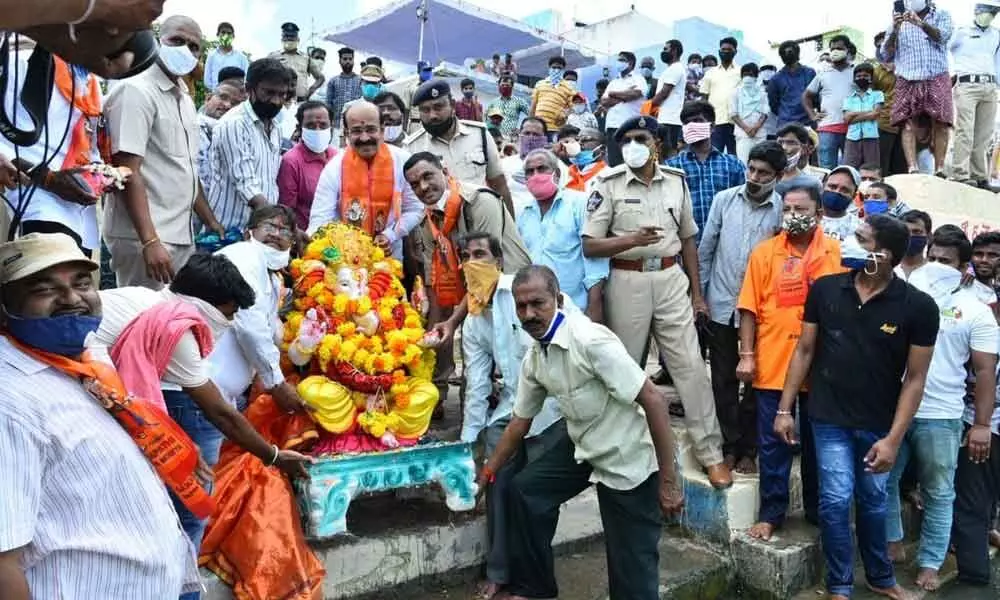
<point x="223" y="56"/>
<point x="551" y="228"/>
<point x="784" y="91"/>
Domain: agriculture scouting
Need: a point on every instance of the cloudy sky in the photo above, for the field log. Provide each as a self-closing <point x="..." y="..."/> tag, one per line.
<point x="762" y="21"/>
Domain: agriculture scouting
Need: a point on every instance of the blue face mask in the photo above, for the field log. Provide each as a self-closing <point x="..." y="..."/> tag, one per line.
<point x="646" y="71"/>
<point x="835" y="202"/>
<point x="876" y="207"/>
<point x="64" y="335"/>
<point x="584" y="158"/>
<point x="426" y="75"/>
<point x="370" y="90"/>
<point x="622" y="66"/>
<point x="555" y="73"/>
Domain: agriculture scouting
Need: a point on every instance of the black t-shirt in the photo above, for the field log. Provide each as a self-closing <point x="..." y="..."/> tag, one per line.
<point x="861" y="350"/>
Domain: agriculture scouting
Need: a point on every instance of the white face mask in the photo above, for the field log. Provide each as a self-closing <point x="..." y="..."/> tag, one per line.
<point x="916" y="5"/>
<point x="178" y="60"/>
<point x="392" y="132"/>
<point x="838" y="55"/>
<point x="636" y="155"/>
<point x="793" y="161"/>
<point x="317" y="140"/>
<point x="749" y="81"/>
<point x="572" y="148"/>
<point x="274" y="258"/>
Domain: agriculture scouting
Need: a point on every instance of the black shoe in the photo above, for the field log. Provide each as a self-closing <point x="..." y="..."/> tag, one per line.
<point x="662" y="377"/>
<point x="676" y="410"/>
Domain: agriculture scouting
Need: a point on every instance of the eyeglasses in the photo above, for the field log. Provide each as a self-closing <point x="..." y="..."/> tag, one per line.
<point x="284" y="233"/>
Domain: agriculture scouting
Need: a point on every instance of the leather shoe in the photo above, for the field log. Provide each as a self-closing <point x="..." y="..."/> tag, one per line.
<point x="720" y="476"/>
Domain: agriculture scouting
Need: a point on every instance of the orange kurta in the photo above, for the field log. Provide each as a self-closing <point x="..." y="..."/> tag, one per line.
<point x="774" y="289"/>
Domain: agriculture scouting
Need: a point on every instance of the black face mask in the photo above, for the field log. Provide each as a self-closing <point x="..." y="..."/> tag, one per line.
<point x="439" y="129"/>
<point x="265" y="110"/>
<point x="727" y="55"/>
<point x="667" y="57"/>
<point x="863" y="83"/>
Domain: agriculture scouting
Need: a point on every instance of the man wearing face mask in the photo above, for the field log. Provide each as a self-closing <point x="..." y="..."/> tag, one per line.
<point x="588" y="162"/>
<point x="553" y="96"/>
<point x="867" y="339"/>
<point x="832" y="86"/>
<point x="917" y="42"/>
<point x="767" y="73"/>
<point x="646" y="68"/>
<point x="222" y="56"/>
<point x="469" y="107"/>
<point x="919" y="224"/>
<point x="342" y="89"/>
<point x="623" y="99"/>
<point x="372" y="78"/>
<point x="718" y="86"/>
<point x="304" y="66"/>
<point x="511" y="107"/>
<point x="771" y="300"/>
<point x="975" y="52"/>
<point x="464" y="146"/>
<point x="641" y="217"/>
<point x="784" y="91"/>
<point x="246" y="146"/>
<point x="749" y="111"/>
<point x="364" y="185"/>
<point x="392" y="111"/>
<point x="669" y="97"/>
<point x="551" y="227"/>
<point x="839" y="189"/>
<point x="425" y="72"/>
<point x="302" y="165"/>
<point x="740" y="218"/>
<point x="153" y="127"/>
<point x="580" y="115"/>
<point x="134" y="536"/>
<point x="861" y="109"/>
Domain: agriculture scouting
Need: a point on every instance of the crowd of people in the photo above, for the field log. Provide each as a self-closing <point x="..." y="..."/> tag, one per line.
<point x="563" y="239"/>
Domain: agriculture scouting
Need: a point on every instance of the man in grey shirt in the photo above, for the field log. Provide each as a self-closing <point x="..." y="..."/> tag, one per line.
<point x="740" y="218"/>
<point x="832" y="85"/>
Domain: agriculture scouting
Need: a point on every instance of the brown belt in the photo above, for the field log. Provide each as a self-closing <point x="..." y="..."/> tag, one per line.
<point x="643" y="265"/>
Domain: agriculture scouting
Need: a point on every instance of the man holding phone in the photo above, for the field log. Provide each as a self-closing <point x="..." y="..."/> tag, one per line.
<point x="640" y="215"/>
<point x="917" y="42"/>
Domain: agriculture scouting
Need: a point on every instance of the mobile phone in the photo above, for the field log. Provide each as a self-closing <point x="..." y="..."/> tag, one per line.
<point x="898" y="7"/>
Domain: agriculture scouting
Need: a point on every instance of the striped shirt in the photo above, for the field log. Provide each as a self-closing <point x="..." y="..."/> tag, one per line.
<point x="78" y="496"/>
<point x="244" y="161"/>
<point x="552" y="102"/>
<point x="917" y="57"/>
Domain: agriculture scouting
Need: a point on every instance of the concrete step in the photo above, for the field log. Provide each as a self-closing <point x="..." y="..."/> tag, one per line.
<point x="688" y="571"/>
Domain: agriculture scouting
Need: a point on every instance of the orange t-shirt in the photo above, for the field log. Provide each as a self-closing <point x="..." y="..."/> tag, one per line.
<point x="774" y="289"/>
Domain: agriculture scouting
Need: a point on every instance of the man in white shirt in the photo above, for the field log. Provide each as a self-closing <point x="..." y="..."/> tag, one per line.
<point x="975" y="53"/>
<point x="386" y="209"/>
<point x="623" y="98"/>
<point x="492" y="335"/>
<point x="619" y="438"/>
<point x="670" y="97"/>
<point x="718" y="86"/>
<point x="968" y="331"/>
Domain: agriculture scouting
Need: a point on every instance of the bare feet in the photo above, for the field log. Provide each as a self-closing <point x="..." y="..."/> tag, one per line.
<point x="995" y="538"/>
<point x="730" y="461"/>
<point x="762" y="531"/>
<point x="915" y="498"/>
<point x="897" y="552"/>
<point x="896" y="592"/>
<point x="746" y="466"/>
<point x="927" y="579"/>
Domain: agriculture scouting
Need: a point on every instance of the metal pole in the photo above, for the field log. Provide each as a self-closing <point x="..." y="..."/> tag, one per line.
<point x="422" y="17"/>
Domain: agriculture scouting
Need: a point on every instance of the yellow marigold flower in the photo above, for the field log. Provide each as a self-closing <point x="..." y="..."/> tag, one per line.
<point x="340" y="302"/>
<point x="346" y="329"/>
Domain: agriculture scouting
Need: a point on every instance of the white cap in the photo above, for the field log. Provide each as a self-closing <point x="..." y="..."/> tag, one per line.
<point x="36" y="252"/>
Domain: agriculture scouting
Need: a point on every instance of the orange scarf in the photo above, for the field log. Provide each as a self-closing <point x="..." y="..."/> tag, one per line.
<point x="799" y="272"/>
<point x="368" y="191"/>
<point x="87" y="100"/>
<point x="163" y="442"/>
<point x="446" y="279"/>
<point x="578" y="179"/>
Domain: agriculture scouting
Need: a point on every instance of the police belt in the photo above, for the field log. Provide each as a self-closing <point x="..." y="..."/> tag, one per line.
<point x="976" y="79"/>
<point x="644" y="265"/>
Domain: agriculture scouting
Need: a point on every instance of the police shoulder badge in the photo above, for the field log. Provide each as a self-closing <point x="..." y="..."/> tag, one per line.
<point x="594" y="201"/>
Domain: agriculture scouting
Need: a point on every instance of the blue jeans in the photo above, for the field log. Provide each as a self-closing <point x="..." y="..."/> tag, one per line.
<point x="840" y="454"/>
<point x="775" y="458"/>
<point x="186" y="413"/>
<point x="934" y="444"/>
<point x="830" y="147"/>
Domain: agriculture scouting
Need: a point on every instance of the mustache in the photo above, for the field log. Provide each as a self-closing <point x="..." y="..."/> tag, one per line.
<point x="366" y="144"/>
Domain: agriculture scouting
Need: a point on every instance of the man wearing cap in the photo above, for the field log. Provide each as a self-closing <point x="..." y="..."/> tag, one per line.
<point x="464" y="146"/>
<point x="351" y="190"/>
<point x="82" y="510"/>
<point x="640" y="216"/>
<point x="839" y="189"/>
<point x="424" y="73"/>
<point x="303" y="65"/>
<point x="552" y="97"/>
<point x="343" y="88"/>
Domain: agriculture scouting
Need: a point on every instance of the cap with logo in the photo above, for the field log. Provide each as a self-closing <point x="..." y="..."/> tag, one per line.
<point x="647" y="123"/>
<point x="35" y="252"/>
<point x="372" y="74"/>
<point x="431" y="90"/>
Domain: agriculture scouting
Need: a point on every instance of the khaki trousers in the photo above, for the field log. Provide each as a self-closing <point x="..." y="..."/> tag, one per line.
<point x="975" y="114"/>
<point x="130" y="268"/>
<point x="657" y="303"/>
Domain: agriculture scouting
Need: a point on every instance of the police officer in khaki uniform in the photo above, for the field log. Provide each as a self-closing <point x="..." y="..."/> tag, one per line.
<point x="640" y="216"/>
<point x="465" y="147"/>
<point x="481" y="210"/>
<point x="303" y="65"/>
